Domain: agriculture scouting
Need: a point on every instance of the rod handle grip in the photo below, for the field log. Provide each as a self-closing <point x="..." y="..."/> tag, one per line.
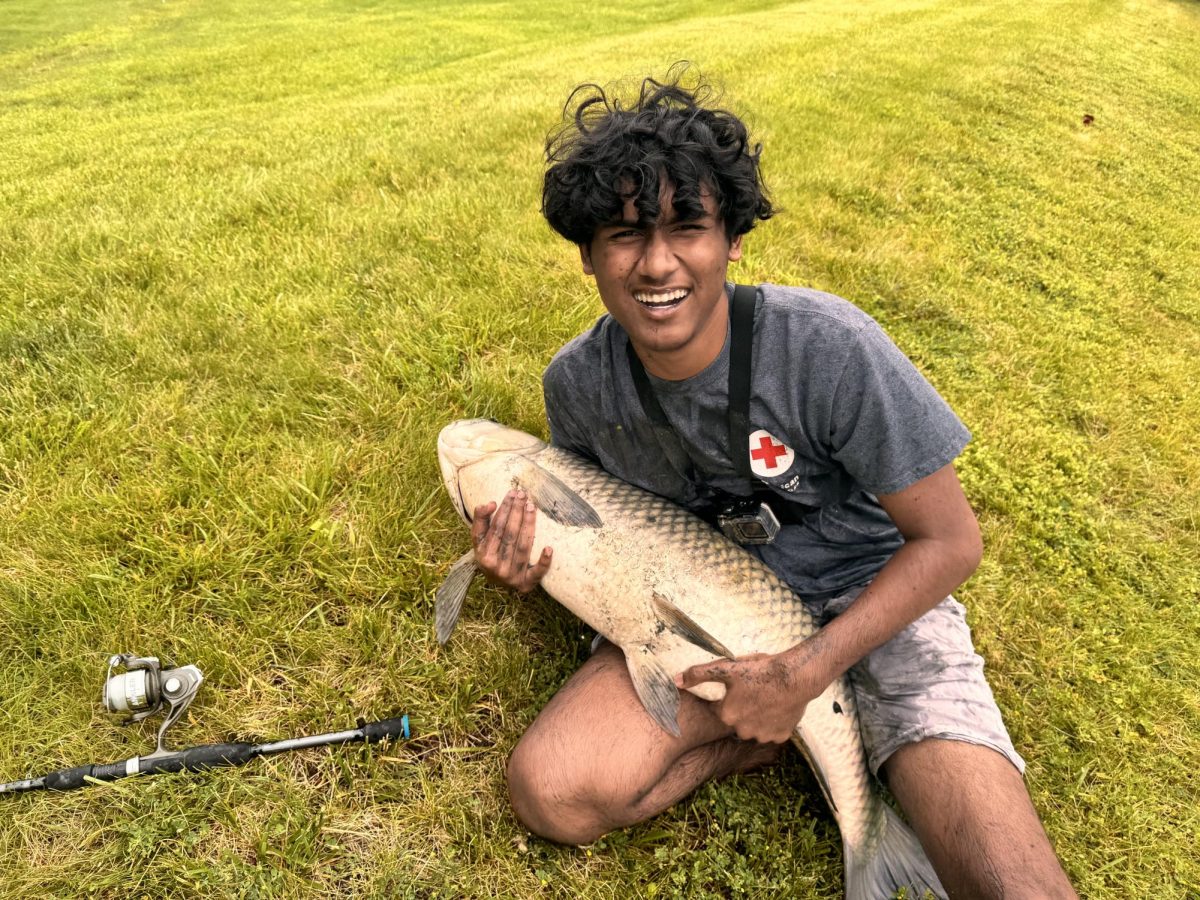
<point x="77" y="776"/>
<point x="197" y="759"/>
<point x="397" y="728"/>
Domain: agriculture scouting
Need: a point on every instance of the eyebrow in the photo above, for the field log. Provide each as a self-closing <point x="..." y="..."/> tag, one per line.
<point x="636" y="223"/>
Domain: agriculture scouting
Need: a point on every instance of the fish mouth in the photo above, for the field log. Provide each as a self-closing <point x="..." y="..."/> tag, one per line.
<point x="450" y="460"/>
<point x="466" y="441"/>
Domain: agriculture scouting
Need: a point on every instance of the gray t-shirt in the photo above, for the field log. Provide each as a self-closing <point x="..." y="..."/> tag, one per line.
<point x="837" y="415"/>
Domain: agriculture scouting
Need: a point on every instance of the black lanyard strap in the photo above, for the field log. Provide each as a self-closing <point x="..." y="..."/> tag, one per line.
<point x="650" y="405"/>
<point x="741" y="364"/>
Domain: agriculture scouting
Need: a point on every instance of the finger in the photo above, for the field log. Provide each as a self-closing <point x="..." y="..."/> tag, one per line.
<point x="742" y="730"/>
<point x="718" y="670"/>
<point x="491" y="544"/>
<point x="525" y="535"/>
<point x="480" y="522"/>
<point x="511" y="530"/>
<point x="538" y="570"/>
<point x="523" y="542"/>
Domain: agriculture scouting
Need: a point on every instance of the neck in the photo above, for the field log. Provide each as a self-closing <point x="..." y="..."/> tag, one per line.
<point x="695" y="356"/>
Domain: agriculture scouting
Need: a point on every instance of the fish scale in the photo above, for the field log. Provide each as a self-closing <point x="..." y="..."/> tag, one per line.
<point x="761" y="599"/>
<point x="672" y="592"/>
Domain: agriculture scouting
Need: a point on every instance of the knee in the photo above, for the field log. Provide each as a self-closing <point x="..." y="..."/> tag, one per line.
<point x="553" y="799"/>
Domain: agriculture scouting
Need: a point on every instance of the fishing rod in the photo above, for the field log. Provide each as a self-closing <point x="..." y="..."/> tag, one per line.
<point x="143" y="689"/>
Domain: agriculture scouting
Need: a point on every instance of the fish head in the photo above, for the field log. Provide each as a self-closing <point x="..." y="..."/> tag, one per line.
<point x="471" y="443"/>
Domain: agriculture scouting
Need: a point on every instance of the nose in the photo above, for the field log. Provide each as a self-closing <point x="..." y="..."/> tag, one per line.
<point x="658" y="257"/>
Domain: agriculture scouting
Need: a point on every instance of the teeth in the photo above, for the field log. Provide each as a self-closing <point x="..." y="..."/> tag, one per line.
<point x="660" y="299"/>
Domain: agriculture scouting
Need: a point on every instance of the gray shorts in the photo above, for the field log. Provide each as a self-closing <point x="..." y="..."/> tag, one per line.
<point x="926" y="682"/>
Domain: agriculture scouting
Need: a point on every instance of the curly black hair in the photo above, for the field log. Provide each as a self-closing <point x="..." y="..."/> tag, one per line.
<point x="606" y="153"/>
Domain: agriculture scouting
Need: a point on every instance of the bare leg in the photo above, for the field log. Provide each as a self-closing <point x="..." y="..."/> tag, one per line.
<point x="594" y="760"/>
<point x="969" y="807"/>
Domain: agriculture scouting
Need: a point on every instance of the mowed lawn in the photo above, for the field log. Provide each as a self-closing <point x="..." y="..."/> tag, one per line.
<point x="253" y="256"/>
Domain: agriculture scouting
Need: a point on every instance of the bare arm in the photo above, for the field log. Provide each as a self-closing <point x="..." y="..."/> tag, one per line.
<point x="766" y="694"/>
<point x="942" y="547"/>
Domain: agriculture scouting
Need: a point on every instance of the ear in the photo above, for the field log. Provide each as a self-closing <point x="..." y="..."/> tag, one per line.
<point x="585" y="256"/>
<point x="735" y="249"/>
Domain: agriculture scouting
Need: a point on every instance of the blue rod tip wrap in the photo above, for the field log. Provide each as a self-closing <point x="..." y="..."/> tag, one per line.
<point x="404" y="725"/>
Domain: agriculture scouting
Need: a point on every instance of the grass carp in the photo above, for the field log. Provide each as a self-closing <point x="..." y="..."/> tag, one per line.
<point x="673" y="592"/>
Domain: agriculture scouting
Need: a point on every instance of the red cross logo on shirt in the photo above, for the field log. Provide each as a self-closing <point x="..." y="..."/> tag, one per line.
<point x="768" y="456"/>
<point x="768" y="450"/>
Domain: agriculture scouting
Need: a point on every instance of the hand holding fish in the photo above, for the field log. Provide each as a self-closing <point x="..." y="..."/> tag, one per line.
<point x="503" y="538"/>
<point x="765" y="696"/>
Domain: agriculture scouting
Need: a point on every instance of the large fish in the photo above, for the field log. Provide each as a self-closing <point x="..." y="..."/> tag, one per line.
<point x="672" y="592"/>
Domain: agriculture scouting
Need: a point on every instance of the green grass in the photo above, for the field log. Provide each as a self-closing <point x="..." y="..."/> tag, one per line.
<point x="253" y="256"/>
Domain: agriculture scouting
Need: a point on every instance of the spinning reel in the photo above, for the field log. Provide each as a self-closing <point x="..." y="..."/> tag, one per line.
<point x="145" y="687"/>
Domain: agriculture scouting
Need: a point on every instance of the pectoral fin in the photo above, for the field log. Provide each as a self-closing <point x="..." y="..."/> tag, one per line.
<point x="680" y="623"/>
<point x="554" y="498"/>
<point x="655" y="688"/>
<point x="448" y="601"/>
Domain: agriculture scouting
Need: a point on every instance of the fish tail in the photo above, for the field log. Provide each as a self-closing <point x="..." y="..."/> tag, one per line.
<point x="893" y="860"/>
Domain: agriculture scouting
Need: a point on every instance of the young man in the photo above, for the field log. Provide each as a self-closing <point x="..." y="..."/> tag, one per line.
<point x="854" y="450"/>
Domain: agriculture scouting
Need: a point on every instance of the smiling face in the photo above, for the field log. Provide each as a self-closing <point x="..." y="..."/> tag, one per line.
<point x="664" y="283"/>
